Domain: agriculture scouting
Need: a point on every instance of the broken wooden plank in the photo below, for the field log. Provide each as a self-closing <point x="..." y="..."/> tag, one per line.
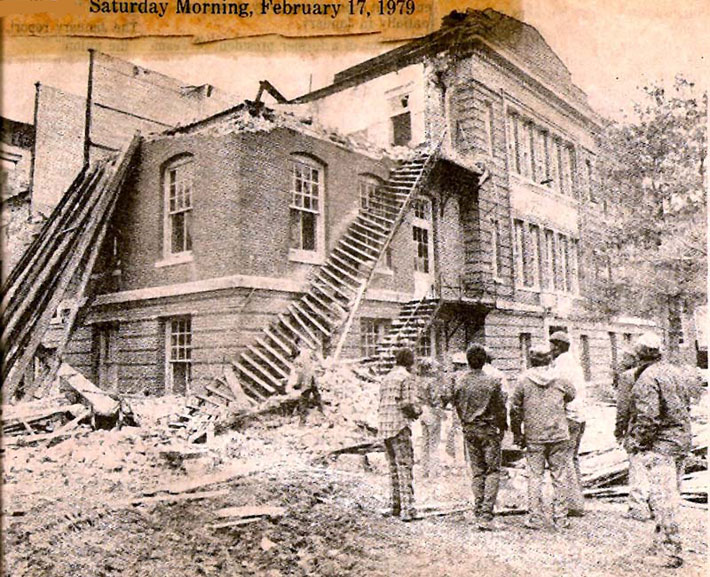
<point x="20" y="441"/>
<point x="235" y="523"/>
<point x="206" y="480"/>
<point x="180" y="497"/>
<point x="100" y="402"/>
<point x="19" y="417"/>
<point x="251" y="511"/>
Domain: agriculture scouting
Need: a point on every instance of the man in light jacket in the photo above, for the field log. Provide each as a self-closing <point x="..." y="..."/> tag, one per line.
<point x="566" y="366"/>
<point x="539" y="423"/>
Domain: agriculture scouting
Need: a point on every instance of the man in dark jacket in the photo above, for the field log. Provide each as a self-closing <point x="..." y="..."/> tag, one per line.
<point x="625" y="418"/>
<point x="398" y="408"/>
<point x="661" y="435"/>
<point x="480" y="406"/>
<point x="539" y="422"/>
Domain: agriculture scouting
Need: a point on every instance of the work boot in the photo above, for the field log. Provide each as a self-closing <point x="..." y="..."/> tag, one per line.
<point x="533" y="523"/>
<point x="664" y="561"/>
<point x="391" y="513"/>
<point x="485" y="524"/>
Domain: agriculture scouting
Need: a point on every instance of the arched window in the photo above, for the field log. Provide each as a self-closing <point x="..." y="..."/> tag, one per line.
<point x="306" y="209"/>
<point x="177" y="186"/>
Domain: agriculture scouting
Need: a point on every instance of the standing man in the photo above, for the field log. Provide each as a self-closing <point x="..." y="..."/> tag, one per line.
<point x="398" y="408"/>
<point x="480" y="406"/>
<point x="303" y="378"/>
<point x="429" y="395"/>
<point x="625" y="419"/>
<point x="539" y="422"/>
<point x="661" y="435"/>
<point x="566" y="367"/>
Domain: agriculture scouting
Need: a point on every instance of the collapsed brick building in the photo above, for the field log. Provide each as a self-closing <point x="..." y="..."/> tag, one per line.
<point x="440" y="194"/>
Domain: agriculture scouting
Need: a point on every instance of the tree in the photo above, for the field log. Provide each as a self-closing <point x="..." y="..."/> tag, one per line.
<point x="653" y="179"/>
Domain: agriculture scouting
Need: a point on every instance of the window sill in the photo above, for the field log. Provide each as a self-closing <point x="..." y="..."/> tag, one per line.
<point x="306" y="256"/>
<point x="173" y="259"/>
<point x="525" y="181"/>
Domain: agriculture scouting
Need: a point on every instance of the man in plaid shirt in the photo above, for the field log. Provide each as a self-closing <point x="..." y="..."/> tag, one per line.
<point x="398" y="408"/>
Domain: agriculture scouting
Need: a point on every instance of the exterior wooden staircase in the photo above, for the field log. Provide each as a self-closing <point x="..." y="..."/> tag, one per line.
<point x="327" y="308"/>
<point x="414" y="320"/>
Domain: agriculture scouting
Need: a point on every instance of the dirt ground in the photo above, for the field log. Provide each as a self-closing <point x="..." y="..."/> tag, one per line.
<point x="68" y="511"/>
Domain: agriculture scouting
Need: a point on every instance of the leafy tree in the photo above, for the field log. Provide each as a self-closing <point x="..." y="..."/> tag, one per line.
<point x="653" y="179"/>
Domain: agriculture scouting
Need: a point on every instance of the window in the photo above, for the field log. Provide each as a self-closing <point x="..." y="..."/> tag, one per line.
<point x="372" y="331"/>
<point x="402" y="129"/>
<point x="555" y="170"/>
<point x="422" y="208"/>
<point x="367" y="188"/>
<point x="514" y="140"/>
<point x="421" y="234"/>
<point x="567" y="170"/>
<point x="534" y="251"/>
<point x="525" y="151"/>
<point x="540" y="154"/>
<point x="563" y="260"/>
<point x="421" y="241"/>
<point x="550" y="260"/>
<point x="178" y="206"/>
<point x="573" y="266"/>
<point x="519" y="253"/>
<point x="179" y="354"/>
<point x="495" y="249"/>
<point x="306" y="209"/>
<point x="525" y="340"/>
<point x="489" y="127"/>
<point x="589" y="180"/>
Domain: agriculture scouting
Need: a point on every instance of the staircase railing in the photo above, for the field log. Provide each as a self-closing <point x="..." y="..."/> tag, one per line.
<point x="422" y="178"/>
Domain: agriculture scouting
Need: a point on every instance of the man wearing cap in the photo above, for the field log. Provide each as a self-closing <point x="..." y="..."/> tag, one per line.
<point x="398" y="408"/>
<point x="566" y="367"/>
<point x="480" y="406"/>
<point x="539" y="422"/>
<point x="625" y="417"/>
<point x="661" y="435"/>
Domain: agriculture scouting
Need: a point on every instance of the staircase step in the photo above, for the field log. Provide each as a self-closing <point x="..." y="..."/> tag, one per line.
<point x="376" y="217"/>
<point x="304" y="318"/>
<point x="300" y="333"/>
<point x="210" y="401"/>
<point x="332" y="306"/>
<point x="284" y="347"/>
<point x="215" y="391"/>
<point x="272" y="364"/>
<point x="365" y="217"/>
<point x="235" y="386"/>
<point x="350" y="247"/>
<point x="334" y="279"/>
<point x="317" y="308"/>
<point x="266" y="386"/>
<point x="264" y="371"/>
<point x="347" y="253"/>
<point x="368" y="238"/>
<point x="344" y="261"/>
<point x="283" y="360"/>
<point x="323" y="283"/>
<point x="369" y="229"/>
<point x="351" y="238"/>
<point x="341" y="270"/>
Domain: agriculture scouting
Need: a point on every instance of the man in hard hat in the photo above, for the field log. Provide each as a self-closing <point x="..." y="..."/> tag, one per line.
<point x="539" y="423"/>
<point x="566" y="366"/>
<point x="661" y="435"/>
<point x="625" y="417"/>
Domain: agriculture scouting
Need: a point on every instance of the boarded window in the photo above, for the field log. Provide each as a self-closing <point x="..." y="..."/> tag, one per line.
<point x="402" y="129"/>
